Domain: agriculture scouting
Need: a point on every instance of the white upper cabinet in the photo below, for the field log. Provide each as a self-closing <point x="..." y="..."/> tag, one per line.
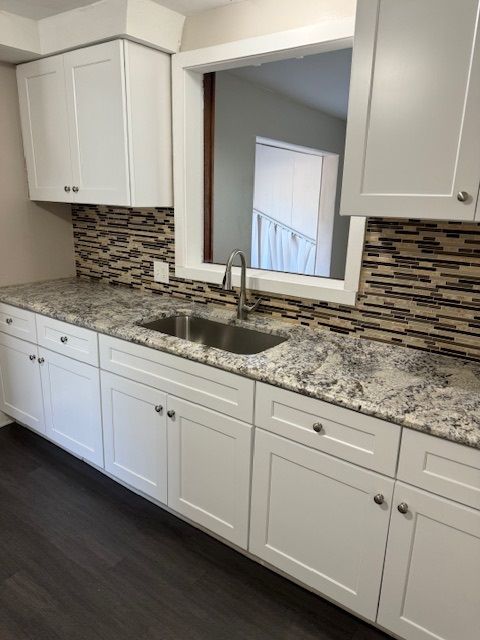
<point x="97" y="119"/>
<point x="413" y="132"/>
<point x="43" y="110"/>
<point x="97" y="126"/>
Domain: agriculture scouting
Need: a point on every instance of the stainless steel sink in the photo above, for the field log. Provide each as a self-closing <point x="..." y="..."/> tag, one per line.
<point x="215" y="334"/>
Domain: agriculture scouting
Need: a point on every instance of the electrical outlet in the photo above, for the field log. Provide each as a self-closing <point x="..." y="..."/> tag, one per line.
<point x="160" y="271"/>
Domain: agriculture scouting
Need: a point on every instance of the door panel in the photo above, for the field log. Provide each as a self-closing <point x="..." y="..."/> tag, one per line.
<point x="315" y="518"/>
<point x="209" y="457"/>
<point x="431" y="584"/>
<point x="43" y="110"/>
<point x="20" y="386"/>
<point x="413" y="129"/>
<point x="71" y="394"/>
<point x="95" y="88"/>
<point x="135" y="434"/>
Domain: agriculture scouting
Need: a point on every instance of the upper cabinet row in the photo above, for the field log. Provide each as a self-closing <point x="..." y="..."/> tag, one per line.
<point x="413" y="129"/>
<point x="96" y="126"/>
<point x="97" y="121"/>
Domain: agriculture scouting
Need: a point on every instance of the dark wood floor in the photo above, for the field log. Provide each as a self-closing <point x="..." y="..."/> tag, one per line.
<point x="83" y="558"/>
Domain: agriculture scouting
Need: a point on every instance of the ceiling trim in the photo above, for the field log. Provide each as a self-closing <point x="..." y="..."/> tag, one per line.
<point x="143" y="21"/>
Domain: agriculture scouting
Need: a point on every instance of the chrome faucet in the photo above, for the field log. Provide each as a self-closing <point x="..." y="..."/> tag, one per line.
<point x="243" y="308"/>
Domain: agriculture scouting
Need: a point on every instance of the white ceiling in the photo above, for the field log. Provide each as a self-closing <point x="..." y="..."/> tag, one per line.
<point x="190" y="7"/>
<point x="38" y="9"/>
<point x="320" y="81"/>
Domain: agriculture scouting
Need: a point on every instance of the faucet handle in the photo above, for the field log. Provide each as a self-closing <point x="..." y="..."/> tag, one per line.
<point x="254" y="306"/>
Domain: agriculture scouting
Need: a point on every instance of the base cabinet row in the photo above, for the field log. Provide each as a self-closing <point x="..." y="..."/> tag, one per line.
<point x="330" y="524"/>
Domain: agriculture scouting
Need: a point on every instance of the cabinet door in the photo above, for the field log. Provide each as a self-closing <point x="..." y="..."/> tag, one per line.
<point x="71" y="398"/>
<point x="431" y="584"/>
<point x="413" y="131"/>
<point x="20" y="386"/>
<point x="315" y="518"/>
<point x="209" y="461"/>
<point x="43" y="110"/>
<point x="95" y="89"/>
<point x="135" y="434"/>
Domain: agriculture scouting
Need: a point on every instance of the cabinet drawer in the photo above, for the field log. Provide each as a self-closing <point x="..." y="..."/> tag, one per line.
<point x="355" y="437"/>
<point x="18" y="322"/>
<point x="67" y="339"/>
<point x="446" y="468"/>
<point x="210" y="387"/>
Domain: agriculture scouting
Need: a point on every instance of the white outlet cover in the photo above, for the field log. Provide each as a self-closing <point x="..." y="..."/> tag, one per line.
<point x="160" y="271"/>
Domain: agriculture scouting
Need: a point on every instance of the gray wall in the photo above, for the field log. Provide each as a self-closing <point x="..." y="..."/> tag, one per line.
<point x="244" y="111"/>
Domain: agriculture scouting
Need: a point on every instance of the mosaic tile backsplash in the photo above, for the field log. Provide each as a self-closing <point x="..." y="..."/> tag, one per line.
<point x="420" y="280"/>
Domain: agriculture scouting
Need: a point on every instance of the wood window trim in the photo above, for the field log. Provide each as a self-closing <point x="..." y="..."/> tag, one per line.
<point x="208" y="160"/>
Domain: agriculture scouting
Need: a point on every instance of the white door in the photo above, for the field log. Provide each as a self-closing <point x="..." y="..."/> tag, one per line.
<point x="20" y="386"/>
<point x="43" y="110"/>
<point x="413" y="131"/>
<point x="315" y="517"/>
<point x="95" y="89"/>
<point x="431" y="584"/>
<point x="71" y="398"/>
<point x="135" y="434"/>
<point x="209" y="461"/>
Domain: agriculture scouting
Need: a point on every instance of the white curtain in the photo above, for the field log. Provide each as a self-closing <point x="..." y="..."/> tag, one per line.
<point x="276" y="247"/>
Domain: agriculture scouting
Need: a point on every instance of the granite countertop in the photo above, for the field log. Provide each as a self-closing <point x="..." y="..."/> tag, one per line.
<point x="431" y="393"/>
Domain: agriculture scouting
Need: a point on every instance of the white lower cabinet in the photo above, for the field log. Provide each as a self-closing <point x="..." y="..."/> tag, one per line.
<point x="71" y="399"/>
<point x="20" y="386"/>
<point x="209" y="460"/>
<point x="135" y="434"/>
<point x="315" y="517"/>
<point x="431" y="585"/>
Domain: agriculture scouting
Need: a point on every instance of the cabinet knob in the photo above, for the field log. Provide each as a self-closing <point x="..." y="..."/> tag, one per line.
<point x="403" y="507"/>
<point x="64" y="339"/>
<point x="462" y="196"/>
<point x="9" y="320"/>
<point x="67" y="188"/>
<point x="41" y="360"/>
<point x="379" y="498"/>
<point x="158" y="408"/>
<point x="171" y="413"/>
<point x="318" y="427"/>
<point x="32" y="357"/>
<point x="75" y="189"/>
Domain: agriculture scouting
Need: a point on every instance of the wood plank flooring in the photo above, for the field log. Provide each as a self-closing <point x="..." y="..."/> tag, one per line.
<point x="82" y="558"/>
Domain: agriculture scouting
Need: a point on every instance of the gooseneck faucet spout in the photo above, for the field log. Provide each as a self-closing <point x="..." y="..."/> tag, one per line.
<point x="243" y="309"/>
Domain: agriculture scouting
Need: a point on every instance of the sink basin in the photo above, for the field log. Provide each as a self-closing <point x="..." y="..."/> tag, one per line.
<point x="215" y="334"/>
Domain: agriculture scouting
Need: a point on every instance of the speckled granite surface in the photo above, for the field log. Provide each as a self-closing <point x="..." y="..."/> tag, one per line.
<point x="430" y="393"/>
